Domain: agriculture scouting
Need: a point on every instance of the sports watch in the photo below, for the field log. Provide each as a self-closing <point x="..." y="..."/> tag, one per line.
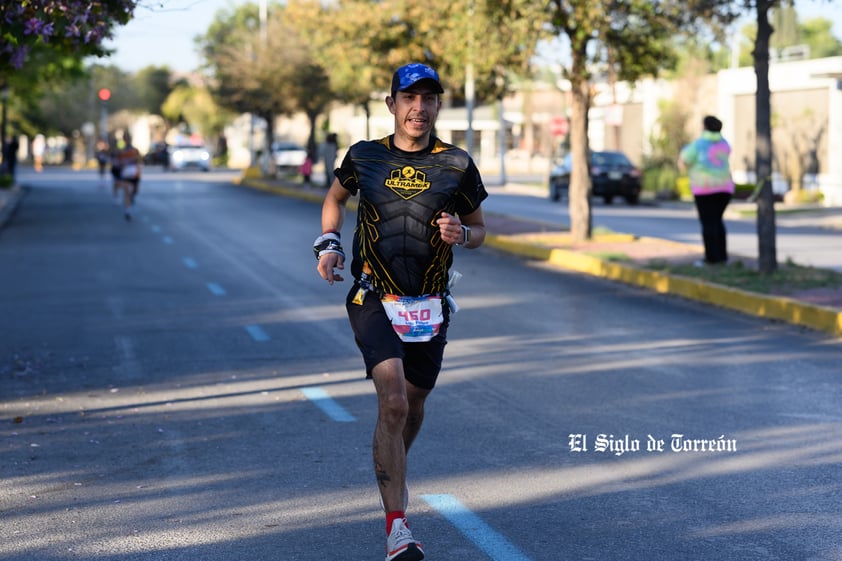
<point x="466" y="235"/>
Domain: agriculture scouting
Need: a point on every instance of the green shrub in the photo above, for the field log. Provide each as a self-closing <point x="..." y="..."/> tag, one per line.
<point x="5" y="180"/>
<point x="682" y="185"/>
<point x="649" y="179"/>
<point x="743" y="191"/>
<point x="659" y="178"/>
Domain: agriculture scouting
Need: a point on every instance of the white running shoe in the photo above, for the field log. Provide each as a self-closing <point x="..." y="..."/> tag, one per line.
<point x="400" y="545"/>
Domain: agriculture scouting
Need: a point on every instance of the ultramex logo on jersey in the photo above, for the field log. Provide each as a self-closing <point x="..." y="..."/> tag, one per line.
<point x="407" y="182"/>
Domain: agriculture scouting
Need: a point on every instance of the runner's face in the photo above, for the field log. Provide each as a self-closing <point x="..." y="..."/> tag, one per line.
<point x="415" y="112"/>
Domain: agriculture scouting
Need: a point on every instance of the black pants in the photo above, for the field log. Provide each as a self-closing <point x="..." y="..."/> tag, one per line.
<point x="711" y="208"/>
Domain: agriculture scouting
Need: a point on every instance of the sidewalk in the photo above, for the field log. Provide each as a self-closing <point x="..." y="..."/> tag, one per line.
<point x="549" y="243"/>
<point x="806" y="215"/>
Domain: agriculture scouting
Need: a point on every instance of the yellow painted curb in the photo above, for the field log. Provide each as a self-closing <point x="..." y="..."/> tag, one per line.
<point x="296" y="192"/>
<point x="819" y="318"/>
<point x="315" y="197"/>
<point x="252" y="172"/>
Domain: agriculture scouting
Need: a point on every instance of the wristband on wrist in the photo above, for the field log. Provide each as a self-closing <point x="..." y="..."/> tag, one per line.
<point x="328" y="243"/>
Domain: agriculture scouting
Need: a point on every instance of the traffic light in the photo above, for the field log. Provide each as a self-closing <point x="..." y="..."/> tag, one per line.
<point x="104" y="94"/>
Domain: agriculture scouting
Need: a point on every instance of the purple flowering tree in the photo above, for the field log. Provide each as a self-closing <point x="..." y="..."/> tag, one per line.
<point x="63" y="26"/>
<point x="44" y="31"/>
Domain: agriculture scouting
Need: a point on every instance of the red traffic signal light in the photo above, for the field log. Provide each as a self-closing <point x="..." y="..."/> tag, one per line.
<point x="104" y="94"/>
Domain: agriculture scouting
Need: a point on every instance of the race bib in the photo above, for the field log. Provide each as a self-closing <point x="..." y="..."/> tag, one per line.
<point x="416" y="319"/>
<point x="130" y="172"/>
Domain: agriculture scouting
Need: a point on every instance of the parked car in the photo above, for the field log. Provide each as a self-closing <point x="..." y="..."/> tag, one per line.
<point x="157" y="154"/>
<point x="612" y="175"/>
<point x="186" y="156"/>
<point x="288" y="156"/>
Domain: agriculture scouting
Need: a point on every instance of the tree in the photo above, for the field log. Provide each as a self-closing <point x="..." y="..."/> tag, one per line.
<point x="760" y="34"/>
<point x="349" y="38"/>
<point x="195" y="108"/>
<point x="817" y="33"/>
<point x="766" y="229"/>
<point x="63" y="26"/>
<point x="56" y="35"/>
<point x="152" y="85"/>
<point x="363" y="41"/>
<point x="628" y="40"/>
<point x="249" y="76"/>
<point x="46" y="76"/>
<point x="61" y="108"/>
<point x="766" y="236"/>
<point x="785" y="23"/>
<point x="313" y="95"/>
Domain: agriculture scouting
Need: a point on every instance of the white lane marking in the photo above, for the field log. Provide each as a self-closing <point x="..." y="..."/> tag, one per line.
<point x="215" y="289"/>
<point x="257" y="333"/>
<point x="328" y="405"/>
<point x="190" y="263"/>
<point x="475" y="529"/>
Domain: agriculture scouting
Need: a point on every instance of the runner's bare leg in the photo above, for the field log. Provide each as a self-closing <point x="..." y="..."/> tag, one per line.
<point x="388" y="448"/>
<point x="416" y="397"/>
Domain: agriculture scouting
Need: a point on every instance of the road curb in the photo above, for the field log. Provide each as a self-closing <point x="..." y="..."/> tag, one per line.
<point x="299" y="193"/>
<point x="818" y="318"/>
<point x="9" y="200"/>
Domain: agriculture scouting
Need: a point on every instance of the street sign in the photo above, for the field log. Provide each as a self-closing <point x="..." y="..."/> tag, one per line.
<point x="559" y="126"/>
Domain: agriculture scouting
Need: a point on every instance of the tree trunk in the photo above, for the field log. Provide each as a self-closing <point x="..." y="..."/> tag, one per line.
<point x="767" y="252"/>
<point x="312" y="147"/>
<point x="267" y="162"/>
<point x="579" y="193"/>
<point x="367" y="110"/>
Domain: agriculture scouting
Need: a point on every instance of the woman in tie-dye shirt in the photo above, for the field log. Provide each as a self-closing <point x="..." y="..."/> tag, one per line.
<point x="706" y="160"/>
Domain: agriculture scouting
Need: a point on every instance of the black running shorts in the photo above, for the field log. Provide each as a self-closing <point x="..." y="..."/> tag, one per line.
<point x="377" y="341"/>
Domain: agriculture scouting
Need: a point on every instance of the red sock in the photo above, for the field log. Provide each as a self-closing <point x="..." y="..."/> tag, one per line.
<point x="391" y="517"/>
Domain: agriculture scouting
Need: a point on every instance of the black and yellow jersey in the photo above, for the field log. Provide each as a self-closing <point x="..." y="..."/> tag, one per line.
<point x="401" y="194"/>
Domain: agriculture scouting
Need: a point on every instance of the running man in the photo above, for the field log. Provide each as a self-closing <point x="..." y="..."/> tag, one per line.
<point x="418" y="197"/>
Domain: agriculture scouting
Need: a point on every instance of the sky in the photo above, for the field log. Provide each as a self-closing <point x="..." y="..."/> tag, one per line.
<point x="162" y="31"/>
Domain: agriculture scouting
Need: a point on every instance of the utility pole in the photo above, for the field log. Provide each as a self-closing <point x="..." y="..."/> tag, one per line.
<point x="500" y="82"/>
<point x="469" y="82"/>
<point x="267" y="142"/>
<point x="4" y="92"/>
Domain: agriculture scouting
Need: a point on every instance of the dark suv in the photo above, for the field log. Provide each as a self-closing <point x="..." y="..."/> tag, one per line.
<point x="612" y="175"/>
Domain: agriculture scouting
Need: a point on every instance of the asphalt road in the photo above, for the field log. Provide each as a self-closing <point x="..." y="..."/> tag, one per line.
<point x="185" y="387"/>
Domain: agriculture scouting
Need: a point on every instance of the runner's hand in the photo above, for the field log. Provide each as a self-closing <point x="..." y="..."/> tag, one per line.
<point x="450" y="228"/>
<point x="327" y="265"/>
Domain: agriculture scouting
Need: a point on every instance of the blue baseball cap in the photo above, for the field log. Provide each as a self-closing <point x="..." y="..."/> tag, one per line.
<point x="410" y="74"/>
